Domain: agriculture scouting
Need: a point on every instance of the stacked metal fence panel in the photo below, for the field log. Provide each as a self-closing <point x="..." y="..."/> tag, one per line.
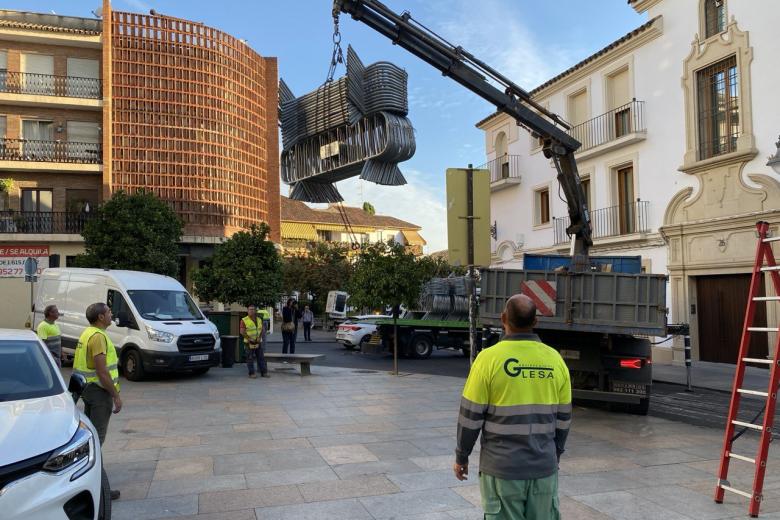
<point x="353" y="126"/>
<point x="445" y="298"/>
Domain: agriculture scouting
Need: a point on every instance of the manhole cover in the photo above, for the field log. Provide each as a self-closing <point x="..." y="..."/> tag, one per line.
<point x="365" y="372"/>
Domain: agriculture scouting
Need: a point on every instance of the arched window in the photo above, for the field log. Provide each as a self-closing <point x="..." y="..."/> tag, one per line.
<point x="714" y="17"/>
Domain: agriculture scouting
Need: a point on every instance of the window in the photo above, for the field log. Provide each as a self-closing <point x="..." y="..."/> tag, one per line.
<point x="619" y="99"/>
<point x="714" y="17"/>
<point x="119" y="308"/>
<point x="542" y="206"/>
<point x="626" y="209"/>
<point x="500" y="169"/>
<point x="37" y="74"/>
<point x="718" y="108"/>
<point x="578" y="114"/>
<point x="325" y="236"/>
<point x="26" y="372"/>
<point x="39" y="201"/>
<point x="83" y="78"/>
<point x="161" y="305"/>
<point x="37" y="139"/>
<point x="585" y="181"/>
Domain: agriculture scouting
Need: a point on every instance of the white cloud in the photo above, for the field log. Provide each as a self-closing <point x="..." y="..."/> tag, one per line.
<point x="417" y="202"/>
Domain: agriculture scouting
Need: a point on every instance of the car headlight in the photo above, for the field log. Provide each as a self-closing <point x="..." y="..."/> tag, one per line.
<point x="80" y="450"/>
<point x="158" y="335"/>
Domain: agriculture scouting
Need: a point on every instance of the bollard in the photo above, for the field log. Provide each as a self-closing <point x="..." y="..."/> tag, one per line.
<point x="687" y="340"/>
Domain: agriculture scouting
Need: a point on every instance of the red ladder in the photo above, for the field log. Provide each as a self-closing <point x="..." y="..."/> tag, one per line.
<point x="765" y="263"/>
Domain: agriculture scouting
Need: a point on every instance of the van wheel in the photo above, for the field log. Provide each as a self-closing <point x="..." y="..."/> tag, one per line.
<point x="133" y="366"/>
<point x="104" y="504"/>
<point x="422" y="346"/>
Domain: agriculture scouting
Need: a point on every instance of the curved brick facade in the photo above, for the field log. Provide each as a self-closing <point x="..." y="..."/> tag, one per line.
<point x="194" y="120"/>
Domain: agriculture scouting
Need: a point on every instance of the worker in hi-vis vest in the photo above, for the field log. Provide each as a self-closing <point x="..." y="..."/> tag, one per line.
<point x="518" y="396"/>
<point x="49" y="332"/>
<point x="96" y="360"/>
<point x="251" y="329"/>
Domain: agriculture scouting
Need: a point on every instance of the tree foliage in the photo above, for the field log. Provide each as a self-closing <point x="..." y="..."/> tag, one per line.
<point x="325" y="268"/>
<point x="138" y="232"/>
<point x="386" y="274"/>
<point x="246" y="269"/>
<point x="369" y="208"/>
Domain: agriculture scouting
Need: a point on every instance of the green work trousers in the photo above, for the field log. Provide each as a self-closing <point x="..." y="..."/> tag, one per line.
<point x="535" y="499"/>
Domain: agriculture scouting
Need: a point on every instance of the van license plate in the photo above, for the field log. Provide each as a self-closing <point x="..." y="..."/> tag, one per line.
<point x="204" y="357"/>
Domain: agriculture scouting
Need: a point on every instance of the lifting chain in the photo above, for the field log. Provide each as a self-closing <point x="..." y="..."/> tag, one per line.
<point x="338" y="55"/>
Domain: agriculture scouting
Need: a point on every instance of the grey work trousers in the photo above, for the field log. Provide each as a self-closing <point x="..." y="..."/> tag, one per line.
<point x="98" y="407"/>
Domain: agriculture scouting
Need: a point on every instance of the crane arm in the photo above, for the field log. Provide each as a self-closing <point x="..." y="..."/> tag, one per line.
<point x="475" y="75"/>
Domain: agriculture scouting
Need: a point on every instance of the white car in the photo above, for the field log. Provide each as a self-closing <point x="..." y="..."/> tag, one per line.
<point x="357" y="329"/>
<point x="50" y="462"/>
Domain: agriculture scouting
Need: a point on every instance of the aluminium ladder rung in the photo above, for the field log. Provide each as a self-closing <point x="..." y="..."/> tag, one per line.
<point x="763" y="329"/>
<point x="758" y="360"/>
<point x="752" y="392"/>
<point x="737" y="491"/>
<point x="741" y="457"/>
<point x="768" y="268"/>
<point x="766" y="299"/>
<point x="771" y="239"/>
<point x="748" y="425"/>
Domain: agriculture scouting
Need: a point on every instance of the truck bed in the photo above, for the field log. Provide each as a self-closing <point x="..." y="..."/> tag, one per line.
<point x="609" y="303"/>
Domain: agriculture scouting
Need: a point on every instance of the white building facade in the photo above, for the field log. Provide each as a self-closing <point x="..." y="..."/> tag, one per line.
<point x="676" y="120"/>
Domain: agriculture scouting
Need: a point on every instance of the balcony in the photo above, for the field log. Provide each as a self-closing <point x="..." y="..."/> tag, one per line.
<point x="29" y="89"/>
<point x="32" y="151"/>
<point x="504" y="172"/>
<point x="621" y="126"/>
<point x="623" y="219"/>
<point x="43" y="222"/>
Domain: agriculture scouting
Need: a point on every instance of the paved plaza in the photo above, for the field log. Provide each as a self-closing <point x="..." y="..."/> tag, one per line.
<point x="357" y="444"/>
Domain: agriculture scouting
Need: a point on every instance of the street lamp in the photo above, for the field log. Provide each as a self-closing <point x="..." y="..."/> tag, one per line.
<point x="774" y="161"/>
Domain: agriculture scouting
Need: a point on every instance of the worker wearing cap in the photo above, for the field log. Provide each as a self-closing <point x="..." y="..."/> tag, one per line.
<point x="518" y="396"/>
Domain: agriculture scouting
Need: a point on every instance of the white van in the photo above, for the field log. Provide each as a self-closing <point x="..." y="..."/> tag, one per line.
<point x="157" y="326"/>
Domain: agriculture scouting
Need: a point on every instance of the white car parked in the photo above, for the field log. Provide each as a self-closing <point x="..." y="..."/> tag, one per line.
<point x="50" y="462"/>
<point x="357" y="329"/>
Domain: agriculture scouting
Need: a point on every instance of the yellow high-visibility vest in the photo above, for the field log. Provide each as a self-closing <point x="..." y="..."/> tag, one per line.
<point x="80" y="359"/>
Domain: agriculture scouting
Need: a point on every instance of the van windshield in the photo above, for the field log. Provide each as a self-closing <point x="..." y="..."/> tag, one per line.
<point x="25" y="371"/>
<point x="159" y="305"/>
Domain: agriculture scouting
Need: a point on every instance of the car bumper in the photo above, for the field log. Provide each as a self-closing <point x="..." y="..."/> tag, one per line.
<point x="43" y="496"/>
<point x="347" y="339"/>
<point x="158" y="361"/>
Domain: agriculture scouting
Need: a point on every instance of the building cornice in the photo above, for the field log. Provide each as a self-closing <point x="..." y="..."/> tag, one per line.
<point x="640" y="6"/>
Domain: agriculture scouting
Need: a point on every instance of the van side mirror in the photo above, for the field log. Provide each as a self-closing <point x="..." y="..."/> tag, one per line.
<point x="76" y="386"/>
<point x="122" y="320"/>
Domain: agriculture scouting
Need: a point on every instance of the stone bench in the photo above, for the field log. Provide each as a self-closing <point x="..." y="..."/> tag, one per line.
<point x="304" y="360"/>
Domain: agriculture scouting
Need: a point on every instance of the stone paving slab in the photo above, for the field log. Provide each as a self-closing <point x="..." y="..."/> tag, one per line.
<point x="345" y="445"/>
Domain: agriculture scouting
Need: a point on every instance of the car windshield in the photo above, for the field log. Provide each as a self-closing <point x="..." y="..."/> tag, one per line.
<point x="159" y="305"/>
<point x="25" y="371"/>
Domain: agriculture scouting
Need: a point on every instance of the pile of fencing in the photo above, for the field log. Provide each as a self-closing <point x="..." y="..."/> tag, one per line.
<point x="445" y="298"/>
<point x="353" y="126"/>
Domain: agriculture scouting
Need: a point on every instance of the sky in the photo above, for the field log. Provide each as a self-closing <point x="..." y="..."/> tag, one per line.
<point x="526" y="40"/>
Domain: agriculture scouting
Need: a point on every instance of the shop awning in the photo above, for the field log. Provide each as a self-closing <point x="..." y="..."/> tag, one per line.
<point x="298" y="231"/>
<point x="413" y="238"/>
<point x="342" y="228"/>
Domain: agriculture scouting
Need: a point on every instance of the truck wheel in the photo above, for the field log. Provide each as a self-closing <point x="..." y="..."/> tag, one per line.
<point x="421" y="346"/>
<point x="640" y="409"/>
<point x="133" y="367"/>
<point x="364" y="339"/>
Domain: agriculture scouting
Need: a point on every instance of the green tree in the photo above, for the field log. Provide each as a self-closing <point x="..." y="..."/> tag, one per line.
<point x="386" y="274"/>
<point x="369" y="208"/>
<point x="138" y="232"/>
<point x="438" y="267"/>
<point x="325" y="268"/>
<point x="246" y="269"/>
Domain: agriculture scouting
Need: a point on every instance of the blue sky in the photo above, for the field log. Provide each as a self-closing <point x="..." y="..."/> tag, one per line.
<point x="527" y="40"/>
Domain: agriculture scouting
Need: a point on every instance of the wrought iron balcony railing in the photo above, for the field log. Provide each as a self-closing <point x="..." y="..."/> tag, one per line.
<point x="623" y="219"/>
<point x="50" y="151"/>
<point x="624" y="120"/>
<point x="49" y="85"/>
<point x="41" y="222"/>
<point x="504" y="167"/>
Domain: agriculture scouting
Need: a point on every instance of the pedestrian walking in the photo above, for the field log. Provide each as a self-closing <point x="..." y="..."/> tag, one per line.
<point x="296" y="317"/>
<point x="251" y="329"/>
<point x="49" y="332"/>
<point x="288" y="328"/>
<point x="307" y="318"/>
<point x="266" y="317"/>
<point x="96" y="360"/>
<point x="518" y="395"/>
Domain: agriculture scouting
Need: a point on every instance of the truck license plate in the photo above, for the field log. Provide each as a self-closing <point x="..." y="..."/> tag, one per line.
<point x="203" y="357"/>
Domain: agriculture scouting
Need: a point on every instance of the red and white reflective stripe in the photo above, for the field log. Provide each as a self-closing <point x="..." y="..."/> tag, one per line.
<point x="543" y="294"/>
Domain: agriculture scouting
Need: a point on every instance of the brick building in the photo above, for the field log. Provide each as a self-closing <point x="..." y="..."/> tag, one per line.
<point x="129" y="101"/>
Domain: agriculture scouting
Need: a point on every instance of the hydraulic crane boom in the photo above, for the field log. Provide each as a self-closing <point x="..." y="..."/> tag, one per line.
<point x="473" y="74"/>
